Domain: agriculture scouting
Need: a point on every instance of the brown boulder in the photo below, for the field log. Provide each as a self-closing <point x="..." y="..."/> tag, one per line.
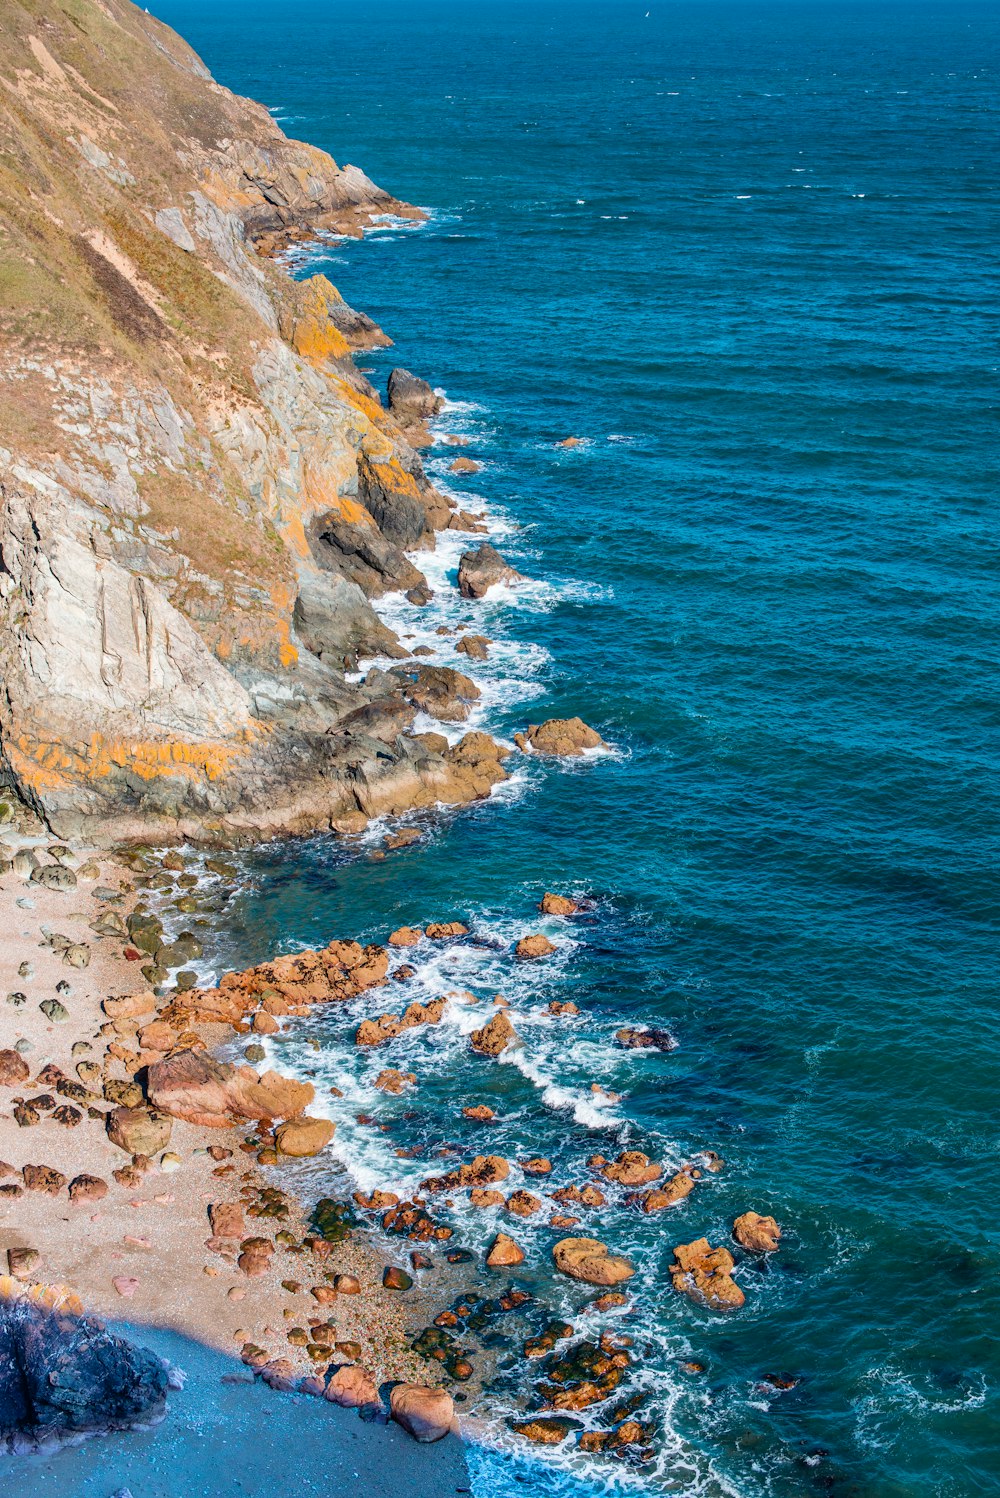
<point x="13" y="1069"/>
<point x="424" y="1413"/>
<point x="479" y="1113"/>
<point x="352" y="1388"/>
<point x="759" y="1234"/>
<point x="544" y="1431"/>
<point x="676" y="1189"/>
<point x="43" y="1178"/>
<point x="589" y="1260"/>
<point x="504" y="1252"/>
<point x="533" y="946"/>
<point x="444" y="930"/>
<point x="484" y="1196"/>
<point x="193" y="1086"/>
<point x="303" y="1136"/>
<point x="557" y="905"/>
<point x="465" y="465"/>
<point x="561" y="736"/>
<point x="85" y="1188"/>
<point x="405" y="936"/>
<point x="476" y="647"/>
<point x="705" y="1274"/>
<point x="523" y="1204"/>
<point x="485" y="1170"/>
<point x="227" y="1220"/>
<point x="139" y="1131"/>
<point x="482" y="569"/>
<point x="394" y="1081"/>
<point x="632" y="1168"/>
<point x="495" y="1037"/>
<point x="129" y="1005"/>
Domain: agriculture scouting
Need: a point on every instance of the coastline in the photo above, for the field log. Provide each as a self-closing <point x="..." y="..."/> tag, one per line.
<point x="136" y="1251"/>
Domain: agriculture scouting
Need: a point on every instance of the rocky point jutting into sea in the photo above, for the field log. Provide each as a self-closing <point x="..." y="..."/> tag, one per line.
<point x="201" y="494"/>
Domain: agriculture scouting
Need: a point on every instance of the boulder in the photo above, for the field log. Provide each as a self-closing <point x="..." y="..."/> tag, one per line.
<point x="530" y="947"/>
<point x="227" y="1220"/>
<point x="504" y="1252"/>
<point x="631" y="1039"/>
<point x="632" y="1168"/>
<point x="303" y="1136"/>
<point x="139" y="1131"/>
<point x="464" y="465"/>
<point x="677" y="1188"/>
<point x="87" y="1188"/>
<point x="476" y="647"/>
<point x="43" y="1178"/>
<point x="424" y="1413"/>
<point x="705" y="1274"/>
<point x="564" y="737"/>
<point x="589" y="1260"/>
<point x="411" y="400"/>
<point x="13" y="1069"/>
<point x="405" y="936"/>
<point x="758" y="1234"/>
<point x="544" y="1430"/>
<point x="352" y="1388"/>
<point x="195" y="1087"/>
<point x="495" y="1037"/>
<point x="64" y="1375"/>
<point x="439" y="691"/>
<point x="557" y="905"/>
<point x="446" y="930"/>
<point x="482" y="569"/>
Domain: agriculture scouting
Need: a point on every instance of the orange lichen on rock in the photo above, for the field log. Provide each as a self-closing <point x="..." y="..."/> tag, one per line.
<point x="49" y="764"/>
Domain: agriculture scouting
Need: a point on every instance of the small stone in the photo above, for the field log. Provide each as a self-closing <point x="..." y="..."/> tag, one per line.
<point x="54" y="1010"/>
<point x="396" y="1279"/>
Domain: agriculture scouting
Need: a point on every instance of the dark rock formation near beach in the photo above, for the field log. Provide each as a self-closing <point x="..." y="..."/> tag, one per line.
<point x="200" y="494"/>
<point x="63" y="1374"/>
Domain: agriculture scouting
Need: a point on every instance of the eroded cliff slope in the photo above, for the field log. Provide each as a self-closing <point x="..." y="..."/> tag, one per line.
<point x="200" y="493"/>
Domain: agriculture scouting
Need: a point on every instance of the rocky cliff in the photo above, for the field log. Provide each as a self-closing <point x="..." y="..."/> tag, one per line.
<point x="199" y="493"/>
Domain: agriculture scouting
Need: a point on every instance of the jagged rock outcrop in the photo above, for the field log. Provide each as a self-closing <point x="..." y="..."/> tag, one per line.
<point x="63" y="1375"/>
<point x="199" y="492"/>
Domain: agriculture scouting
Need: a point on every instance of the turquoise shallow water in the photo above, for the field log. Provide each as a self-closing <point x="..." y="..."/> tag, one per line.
<point x="745" y="251"/>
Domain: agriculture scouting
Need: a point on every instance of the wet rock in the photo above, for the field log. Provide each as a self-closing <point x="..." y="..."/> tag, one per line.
<point x="632" y="1039"/>
<point x="557" y="905"/>
<point x="536" y="1167"/>
<point x="396" y="1279"/>
<point x="446" y="930"/>
<point x="705" y="1274"/>
<point x="494" y="1037"/>
<point x="504" y="1252"/>
<point x="632" y="1168"/>
<point x="562" y="737"/>
<point x="464" y="465"/>
<point x="394" y="1081"/>
<point x="139" y="1131"/>
<point x="388" y="1026"/>
<point x="439" y="691"/>
<point x="476" y="647"/>
<point x="303" y="1136"/>
<point x="759" y="1234"/>
<point x="611" y="1301"/>
<point x="530" y="947"/>
<point x="562" y="1008"/>
<point x="352" y="1388"/>
<point x="523" y="1204"/>
<point x="588" y="1259"/>
<point x="544" y="1430"/>
<point x="484" y="1170"/>
<point x="347" y="1284"/>
<point x="405" y="936"/>
<point x="13" y="1069"/>
<point x="479" y="1113"/>
<point x="62" y="1375"/>
<point x="426" y="1414"/>
<point x="677" y="1188"/>
<point x="482" y="569"/>
<point x="412" y="402"/>
<point x="481" y="1196"/>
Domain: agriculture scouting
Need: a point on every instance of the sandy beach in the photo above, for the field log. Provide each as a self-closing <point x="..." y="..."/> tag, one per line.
<point x="139" y="1249"/>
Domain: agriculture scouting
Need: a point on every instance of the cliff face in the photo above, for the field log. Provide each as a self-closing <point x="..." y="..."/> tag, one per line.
<point x="199" y="493"/>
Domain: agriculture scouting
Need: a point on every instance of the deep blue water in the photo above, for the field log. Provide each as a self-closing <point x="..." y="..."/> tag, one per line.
<point x="747" y="252"/>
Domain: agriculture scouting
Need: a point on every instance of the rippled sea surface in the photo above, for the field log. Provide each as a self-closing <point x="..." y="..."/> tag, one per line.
<point x="746" y="253"/>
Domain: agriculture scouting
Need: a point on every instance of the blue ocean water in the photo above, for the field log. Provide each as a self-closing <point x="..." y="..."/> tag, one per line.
<point x="745" y="250"/>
